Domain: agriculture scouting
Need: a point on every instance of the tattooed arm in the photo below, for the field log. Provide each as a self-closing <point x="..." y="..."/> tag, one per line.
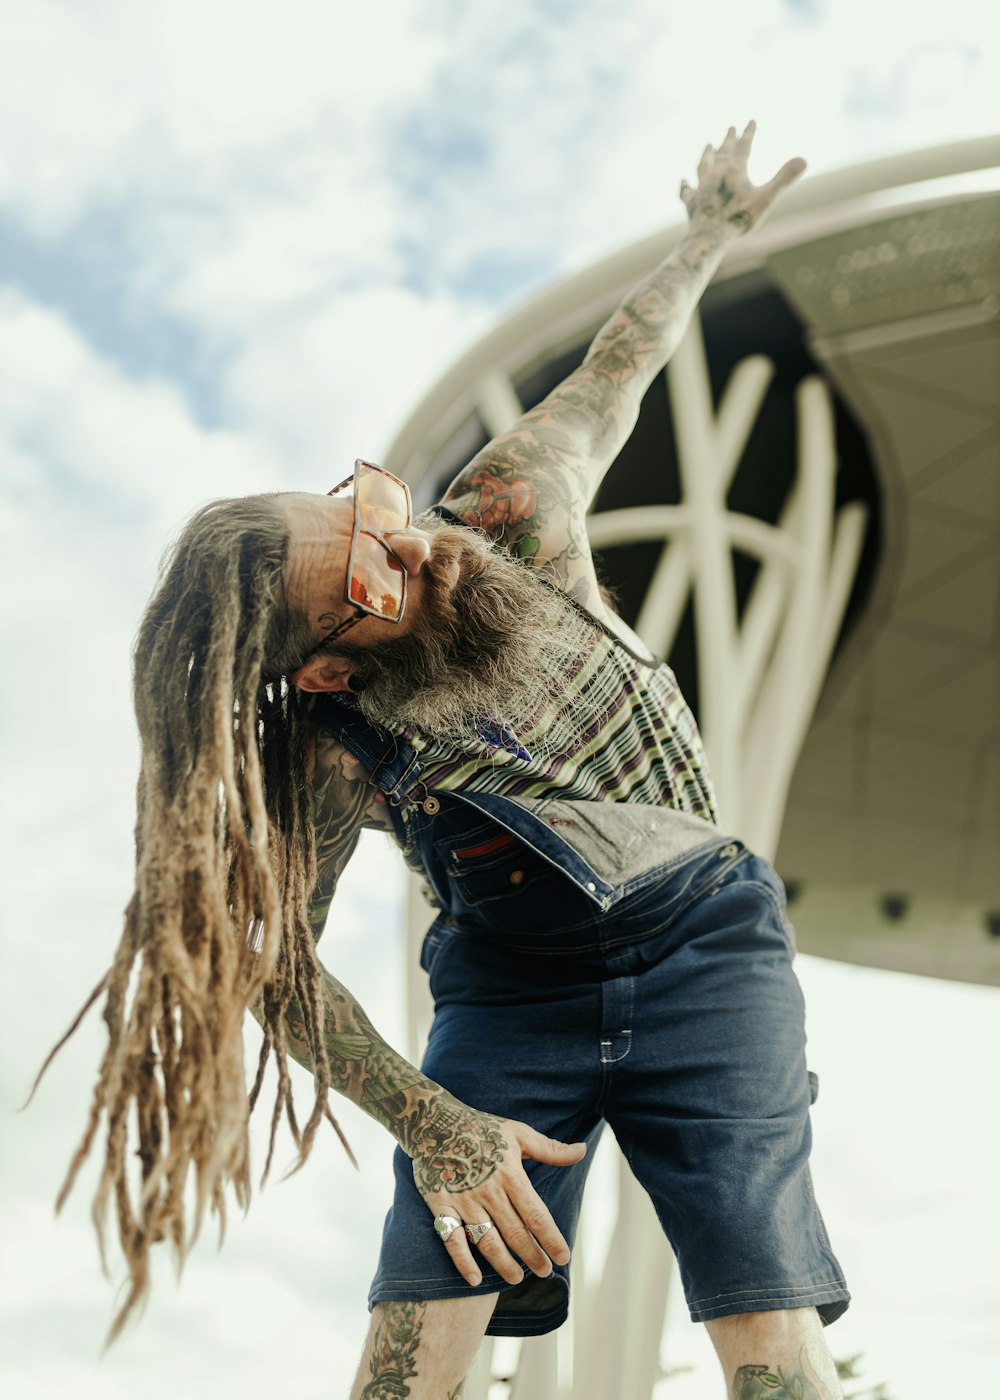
<point x="457" y="1151"/>
<point x="365" y="1069"/>
<point x="466" y="1162"/>
<point x="531" y="486"/>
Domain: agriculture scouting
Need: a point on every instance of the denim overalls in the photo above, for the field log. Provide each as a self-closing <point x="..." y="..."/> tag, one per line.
<point x="612" y="963"/>
<point x="594" y="853"/>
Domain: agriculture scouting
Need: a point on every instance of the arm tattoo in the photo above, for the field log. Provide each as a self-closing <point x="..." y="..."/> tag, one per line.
<point x="526" y="490"/>
<point x="344" y="802"/>
<point x="363" y="1067"/>
<point x="530" y="488"/>
<point x="457" y="1147"/>
<point x="394" y="1351"/>
<point x="638" y="340"/>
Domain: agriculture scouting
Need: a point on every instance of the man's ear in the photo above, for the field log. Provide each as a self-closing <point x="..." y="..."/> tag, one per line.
<point x="321" y="674"/>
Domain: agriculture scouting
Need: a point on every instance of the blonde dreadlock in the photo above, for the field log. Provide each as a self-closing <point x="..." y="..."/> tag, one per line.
<point x="224" y="849"/>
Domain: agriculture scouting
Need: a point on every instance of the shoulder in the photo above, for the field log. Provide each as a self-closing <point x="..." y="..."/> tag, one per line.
<point x="529" y="489"/>
<point x="537" y="516"/>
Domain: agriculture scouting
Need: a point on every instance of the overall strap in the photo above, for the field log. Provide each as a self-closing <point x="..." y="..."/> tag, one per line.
<point x="391" y="762"/>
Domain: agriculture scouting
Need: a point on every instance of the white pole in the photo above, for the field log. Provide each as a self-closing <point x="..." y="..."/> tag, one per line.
<point x="702" y="484"/>
<point x="663" y="606"/>
<point x="614" y="1356"/>
<point x="537" y="1374"/>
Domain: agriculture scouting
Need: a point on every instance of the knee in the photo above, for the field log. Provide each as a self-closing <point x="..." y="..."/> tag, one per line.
<point x="770" y="1321"/>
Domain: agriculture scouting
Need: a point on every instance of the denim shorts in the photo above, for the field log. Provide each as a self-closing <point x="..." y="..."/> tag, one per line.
<point x="676" y="1018"/>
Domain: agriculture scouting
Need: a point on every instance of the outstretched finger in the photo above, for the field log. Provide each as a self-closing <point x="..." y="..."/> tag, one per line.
<point x="728" y="142"/>
<point x="705" y="162"/>
<point x="746" y="140"/>
<point x="787" y="175"/>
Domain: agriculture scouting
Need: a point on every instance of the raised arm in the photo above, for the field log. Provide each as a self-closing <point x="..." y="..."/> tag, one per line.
<point x="532" y="486"/>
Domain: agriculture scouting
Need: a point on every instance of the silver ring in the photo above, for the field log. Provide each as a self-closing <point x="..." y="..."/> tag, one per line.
<point x="476" y="1232"/>
<point x="446" y="1225"/>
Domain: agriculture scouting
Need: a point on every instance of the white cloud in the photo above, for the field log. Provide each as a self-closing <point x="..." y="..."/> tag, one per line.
<point x="116" y="100"/>
<point x="111" y="441"/>
<point x="321" y="218"/>
<point x="98" y="471"/>
<point x="337" y="381"/>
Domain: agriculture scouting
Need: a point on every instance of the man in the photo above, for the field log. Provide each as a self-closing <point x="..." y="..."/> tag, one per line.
<point x="312" y="665"/>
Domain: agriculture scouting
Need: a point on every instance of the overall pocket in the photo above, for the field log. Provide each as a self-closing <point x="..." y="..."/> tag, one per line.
<point x="500" y="882"/>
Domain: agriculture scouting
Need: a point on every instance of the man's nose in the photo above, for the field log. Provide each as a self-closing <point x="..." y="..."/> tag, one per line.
<point x="412" y="547"/>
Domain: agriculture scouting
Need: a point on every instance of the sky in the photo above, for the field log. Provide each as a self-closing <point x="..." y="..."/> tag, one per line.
<point x="238" y="244"/>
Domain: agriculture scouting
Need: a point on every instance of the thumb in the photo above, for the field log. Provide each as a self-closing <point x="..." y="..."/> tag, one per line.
<point x="787" y="175"/>
<point x="546" y="1149"/>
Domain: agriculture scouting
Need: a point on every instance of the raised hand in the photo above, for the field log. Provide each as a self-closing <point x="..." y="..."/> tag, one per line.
<point x="724" y="194"/>
<point x="469" y="1166"/>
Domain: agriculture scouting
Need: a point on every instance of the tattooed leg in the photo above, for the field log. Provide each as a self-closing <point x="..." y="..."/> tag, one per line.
<point x="421" y="1351"/>
<point x="780" y="1354"/>
<point x="754" y="1382"/>
<point x="395" y="1343"/>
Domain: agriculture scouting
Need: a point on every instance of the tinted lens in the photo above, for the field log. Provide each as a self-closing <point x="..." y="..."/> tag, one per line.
<point x="382" y="501"/>
<point x="376" y="578"/>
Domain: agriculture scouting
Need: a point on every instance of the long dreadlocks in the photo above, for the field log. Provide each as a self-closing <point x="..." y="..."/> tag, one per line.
<point x="225" y="865"/>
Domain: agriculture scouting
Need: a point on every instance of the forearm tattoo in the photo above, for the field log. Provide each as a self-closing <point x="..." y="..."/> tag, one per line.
<point x="362" y="1066"/>
<point x="455" y="1148"/>
<point x="638" y="340"/>
<point x="394" y="1351"/>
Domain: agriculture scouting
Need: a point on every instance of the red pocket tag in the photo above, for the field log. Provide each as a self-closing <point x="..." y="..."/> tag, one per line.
<point x="487" y="848"/>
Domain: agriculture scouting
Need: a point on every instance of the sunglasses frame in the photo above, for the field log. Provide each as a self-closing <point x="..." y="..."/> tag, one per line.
<point x="358" y="528"/>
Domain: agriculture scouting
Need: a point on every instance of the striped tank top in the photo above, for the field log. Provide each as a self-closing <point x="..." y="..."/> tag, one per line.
<point x="619" y="730"/>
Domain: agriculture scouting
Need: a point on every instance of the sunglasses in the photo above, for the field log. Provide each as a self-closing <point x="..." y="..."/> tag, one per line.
<point x="376" y="576"/>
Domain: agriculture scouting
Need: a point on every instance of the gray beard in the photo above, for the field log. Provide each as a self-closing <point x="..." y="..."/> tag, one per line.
<point x="493" y="653"/>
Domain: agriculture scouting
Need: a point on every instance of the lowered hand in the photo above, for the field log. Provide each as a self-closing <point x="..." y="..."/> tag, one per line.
<point x="468" y="1165"/>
